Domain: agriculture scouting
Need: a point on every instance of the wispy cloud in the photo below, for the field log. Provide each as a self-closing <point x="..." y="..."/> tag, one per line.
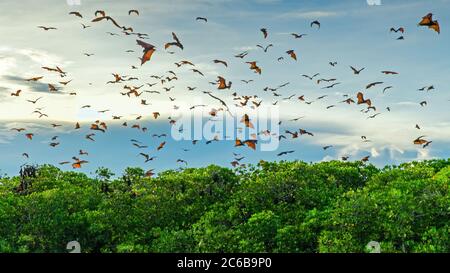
<point x="315" y="14"/>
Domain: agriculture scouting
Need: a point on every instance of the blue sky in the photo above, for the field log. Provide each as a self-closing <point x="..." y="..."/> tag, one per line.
<point x="352" y="33"/>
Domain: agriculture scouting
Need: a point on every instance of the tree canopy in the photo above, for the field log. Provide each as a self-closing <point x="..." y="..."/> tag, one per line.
<point x="276" y="207"/>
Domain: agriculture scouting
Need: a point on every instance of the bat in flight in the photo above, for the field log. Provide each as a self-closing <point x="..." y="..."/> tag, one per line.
<point x="76" y="13"/>
<point x="202" y="19"/>
<point x="221" y="62"/>
<point x="389" y="72"/>
<point x="370" y="85"/>
<point x="16" y="94"/>
<point x="292" y="54"/>
<point x="361" y="100"/>
<point x="47" y="28"/>
<point x="421" y="141"/>
<point x="250" y="143"/>
<point x="35" y="79"/>
<point x="148" y="51"/>
<point x="265" y="48"/>
<point x="428" y="21"/>
<point x="317" y="23"/>
<point x="133" y="11"/>
<point x="108" y="18"/>
<point x="356" y="71"/>
<point x="400" y="29"/>
<point x="285" y="153"/>
<point x="265" y="33"/>
<point x="298" y="36"/>
<point x="223" y="84"/>
<point x="176" y="43"/>
<point x="253" y="66"/>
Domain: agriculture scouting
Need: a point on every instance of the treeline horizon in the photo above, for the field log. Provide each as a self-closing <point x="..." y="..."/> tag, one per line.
<point x="272" y="207"/>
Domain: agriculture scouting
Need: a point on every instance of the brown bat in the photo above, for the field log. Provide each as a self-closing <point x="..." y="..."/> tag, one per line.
<point x="361" y="100"/>
<point x="161" y="145"/>
<point x="108" y="18"/>
<point x="176" y="43"/>
<point x="223" y="84"/>
<point x="292" y="54"/>
<point x="18" y="129"/>
<point x="16" y="94"/>
<point x="428" y="21"/>
<point x="148" y="51"/>
<point x="253" y="66"/>
<point x="250" y="143"/>
<point x="35" y="79"/>
<point x="246" y="120"/>
<point x="420" y="141"/>
<point x="78" y="164"/>
<point x="52" y="88"/>
<point x="304" y="132"/>
<point x="76" y="13"/>
<point x="65" y="83"/>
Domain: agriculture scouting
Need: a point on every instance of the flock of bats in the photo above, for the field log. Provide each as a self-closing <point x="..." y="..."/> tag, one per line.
<point x="222" y="85"/>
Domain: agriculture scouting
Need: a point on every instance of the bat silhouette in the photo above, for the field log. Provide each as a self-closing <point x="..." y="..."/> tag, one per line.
<point x="76" y="14"/>
<point x="108" y="18"/>
<point x="16" y="94"/>
<point x="133" y="11"/>
<point x="201" y="19"/>
<point x="285" y="153"/>
<point x="241" y="55"/>
<point x="265" y="48"/>
<point x="356" y="71"/>
<point x="370" y="85"/>
<point x="35" y="79"/>
<point x="176" y="43"/>
<point x="47" y="28"/>
<point x="400" y="29"/>
<point x="317" y="23"/>
<point x="265" y="33"/>
<point x="221" y="62"/>
<point x="297" y="36"/>
<point x="389" y="72"/>
<point x="311" y="77"/>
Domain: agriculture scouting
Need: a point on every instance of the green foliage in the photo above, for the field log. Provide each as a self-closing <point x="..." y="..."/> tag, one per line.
<point x="271" y="207"/>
